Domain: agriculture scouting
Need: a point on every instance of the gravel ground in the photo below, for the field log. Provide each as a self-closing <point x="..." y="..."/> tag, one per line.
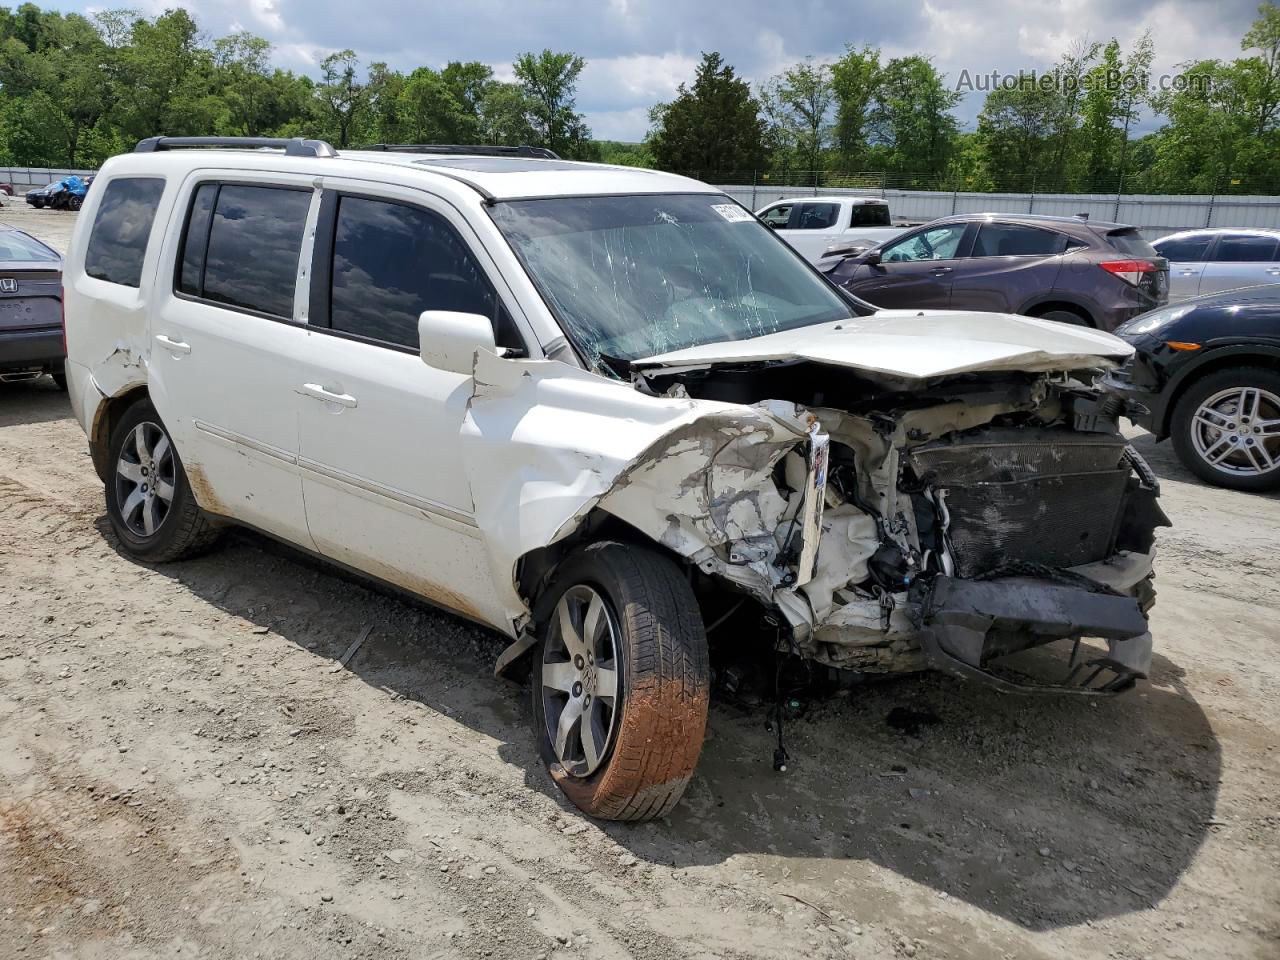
<point x="185" y="771"/>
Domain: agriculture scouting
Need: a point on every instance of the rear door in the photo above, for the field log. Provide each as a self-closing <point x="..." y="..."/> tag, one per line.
<point x="1009" y="265"/>
<point x="814" y="226"/>
<point x="226" y="340"/>
<point x="381" y="453"/>
<point x="1186" y="255"/>
<point x="1240" y="260"/>
<point x="915" y="270"/>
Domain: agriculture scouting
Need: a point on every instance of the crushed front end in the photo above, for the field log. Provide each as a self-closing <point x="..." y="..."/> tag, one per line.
<point x="951" y="524"/>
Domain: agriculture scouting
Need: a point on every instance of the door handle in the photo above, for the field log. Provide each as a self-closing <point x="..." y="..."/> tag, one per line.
<point x="317" y="392"/>
<point x="939" y="271"/>
<point x="176" y="347"/>
<point x="1274" y="271"/>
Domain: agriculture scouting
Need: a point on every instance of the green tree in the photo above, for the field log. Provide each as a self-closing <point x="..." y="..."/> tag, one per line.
<point x="855" y="84"/>
<point x="341" y="98"/>
<point x="711" y="129"/>
<point x="1015" y="132"/>
<point x="550" y="82"/>
<point x="914" y="129"/>
<point x="800" y="101"/>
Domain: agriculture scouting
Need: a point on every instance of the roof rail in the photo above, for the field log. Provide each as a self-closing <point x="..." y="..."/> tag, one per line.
<point x="481" y="150"/>
<point x="292" y="146"/>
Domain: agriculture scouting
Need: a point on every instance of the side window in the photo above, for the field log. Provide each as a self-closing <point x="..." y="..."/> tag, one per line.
<point x="242" y="244"/>
<point x="1244" y="248"/>
<point x="1013" y="240"/>
<point x="1184" y="249"/>
<point x="778" y="216"/>
<point x="391" y="262"/>
<point x="871" y="215"/>
<point x="819" y="216"/>
<point x="118" y="241"/>
<point x="940" y="243"/>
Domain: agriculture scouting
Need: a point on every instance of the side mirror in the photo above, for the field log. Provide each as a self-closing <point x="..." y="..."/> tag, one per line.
<point x="871" y="257"/>
<point x="449" y="340"/>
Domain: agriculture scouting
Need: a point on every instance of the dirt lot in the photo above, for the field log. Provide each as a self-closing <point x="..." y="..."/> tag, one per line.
<point x="185" y="771"/>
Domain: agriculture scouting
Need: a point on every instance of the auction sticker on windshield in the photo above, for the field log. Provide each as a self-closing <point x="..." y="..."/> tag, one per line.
<point x="733" y="213"/>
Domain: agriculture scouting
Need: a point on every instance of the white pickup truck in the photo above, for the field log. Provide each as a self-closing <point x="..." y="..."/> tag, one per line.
<point x="814" y="224"/>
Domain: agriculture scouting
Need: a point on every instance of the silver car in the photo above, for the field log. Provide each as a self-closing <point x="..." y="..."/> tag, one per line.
<point x="1211" y="261"/>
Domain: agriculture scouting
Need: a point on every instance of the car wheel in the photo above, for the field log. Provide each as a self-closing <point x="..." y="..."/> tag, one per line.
<point x="1226" y="428"/>
<point x="621" y="681"/>
<point x="149" y="501"/>
<point x="38" y="204"/>
<point x="75" y="203"/>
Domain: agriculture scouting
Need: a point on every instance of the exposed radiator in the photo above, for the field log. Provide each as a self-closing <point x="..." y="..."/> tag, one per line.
<point x="1050" y="497"/>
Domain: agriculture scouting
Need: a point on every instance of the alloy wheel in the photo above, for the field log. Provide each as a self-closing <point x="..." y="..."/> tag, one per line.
<point x="580" y="681"/>
<point x="145" y="477"/>
<point x="1237" y="431"/>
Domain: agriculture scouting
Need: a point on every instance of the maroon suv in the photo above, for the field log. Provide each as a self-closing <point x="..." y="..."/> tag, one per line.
<point x="1062" y="268"/>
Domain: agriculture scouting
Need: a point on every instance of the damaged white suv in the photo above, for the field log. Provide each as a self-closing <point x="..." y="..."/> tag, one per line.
<point x="596" y="409"/>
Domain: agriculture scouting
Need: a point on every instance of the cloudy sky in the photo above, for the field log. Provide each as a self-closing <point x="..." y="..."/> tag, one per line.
<point x="639" y="50"/>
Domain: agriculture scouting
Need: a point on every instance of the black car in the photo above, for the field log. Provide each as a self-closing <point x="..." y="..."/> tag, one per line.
<point x="31" y="341"/>
<point x="1070" y="269"/>
<point x="1208" y="372"/>
<point x="39" y="197"/>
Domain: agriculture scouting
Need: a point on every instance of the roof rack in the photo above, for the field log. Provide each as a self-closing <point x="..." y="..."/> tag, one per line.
<point x="292" y="146"/>
<point x="537" y="153"/>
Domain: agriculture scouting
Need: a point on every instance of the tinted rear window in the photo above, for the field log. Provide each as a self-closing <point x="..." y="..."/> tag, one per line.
<point x="1184" y="249"/>
<point x="254" y="239"/>
<point x="118" y="242"/>
<point x="1131" y="243"/>
<point x="871" y="215"/>
<point x="1014" y="240"/>
<point x="1244" y="248"/>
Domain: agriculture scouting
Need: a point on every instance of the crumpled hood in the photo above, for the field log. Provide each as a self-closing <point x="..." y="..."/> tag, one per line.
<point x="917" y="345"/>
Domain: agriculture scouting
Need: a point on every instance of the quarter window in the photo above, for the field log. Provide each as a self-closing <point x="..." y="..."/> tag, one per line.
<point x="242" y="245"/>
<point x="870" y="215"/>
<point x="1245" y="248"/>
<point x="1013" y="240"/>
<point x="121" y="228"/>
<point x="391" y="262"/>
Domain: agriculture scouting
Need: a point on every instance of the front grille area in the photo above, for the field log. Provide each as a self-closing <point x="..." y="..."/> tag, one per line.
<point x="1039" y="496"/>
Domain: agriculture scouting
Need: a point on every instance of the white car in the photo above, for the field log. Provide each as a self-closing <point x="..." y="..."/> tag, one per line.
<point x="606" y="413"/>
<point x="816" y="225"/>
<point x="1213" y="261"/>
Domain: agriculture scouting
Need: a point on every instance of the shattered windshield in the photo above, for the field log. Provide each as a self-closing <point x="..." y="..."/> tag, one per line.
<point x="630" y="277"/>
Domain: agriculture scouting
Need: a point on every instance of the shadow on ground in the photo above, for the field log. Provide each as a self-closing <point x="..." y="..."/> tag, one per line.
<point x="32" y="401"/>
<point x="1046" y="811"/>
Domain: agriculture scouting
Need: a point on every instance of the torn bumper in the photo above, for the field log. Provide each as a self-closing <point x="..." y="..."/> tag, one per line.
<point x="965" y="624"/>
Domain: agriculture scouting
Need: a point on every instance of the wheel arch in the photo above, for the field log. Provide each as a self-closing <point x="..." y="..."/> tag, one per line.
<point x="1059" y="301"/>
<point x="1214" y="360"/>
<point x="105" y="418"/>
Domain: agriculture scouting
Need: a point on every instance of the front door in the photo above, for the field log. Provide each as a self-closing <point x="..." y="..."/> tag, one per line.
<point x="914" y="271"/>
<point x="385" y="489"/>
<point x="225" y="345"/>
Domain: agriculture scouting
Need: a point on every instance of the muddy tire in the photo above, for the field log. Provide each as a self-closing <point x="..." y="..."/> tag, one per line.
<point x="149" y="501"/>
<point x="1226" y="428"/>
<point x="620" y="681"/>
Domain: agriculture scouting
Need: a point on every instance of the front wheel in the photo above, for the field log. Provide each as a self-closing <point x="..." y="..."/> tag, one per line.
<point x="1226" y="428"/>
<point x="621" y="681"/>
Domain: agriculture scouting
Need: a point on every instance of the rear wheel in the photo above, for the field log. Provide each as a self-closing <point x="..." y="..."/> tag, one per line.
<point x="1226" y="428"/>
<point x="75" y="203"/>
<point x="621" y="681"/>
<point x="149" y="501"/>
<point x="1063" y="315"/>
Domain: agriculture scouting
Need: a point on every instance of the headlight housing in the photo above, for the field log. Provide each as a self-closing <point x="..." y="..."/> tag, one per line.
<point x="1150" y="323"/>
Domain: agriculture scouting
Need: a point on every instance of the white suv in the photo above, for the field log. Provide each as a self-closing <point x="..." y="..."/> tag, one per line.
<point x="606" y="412"/>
